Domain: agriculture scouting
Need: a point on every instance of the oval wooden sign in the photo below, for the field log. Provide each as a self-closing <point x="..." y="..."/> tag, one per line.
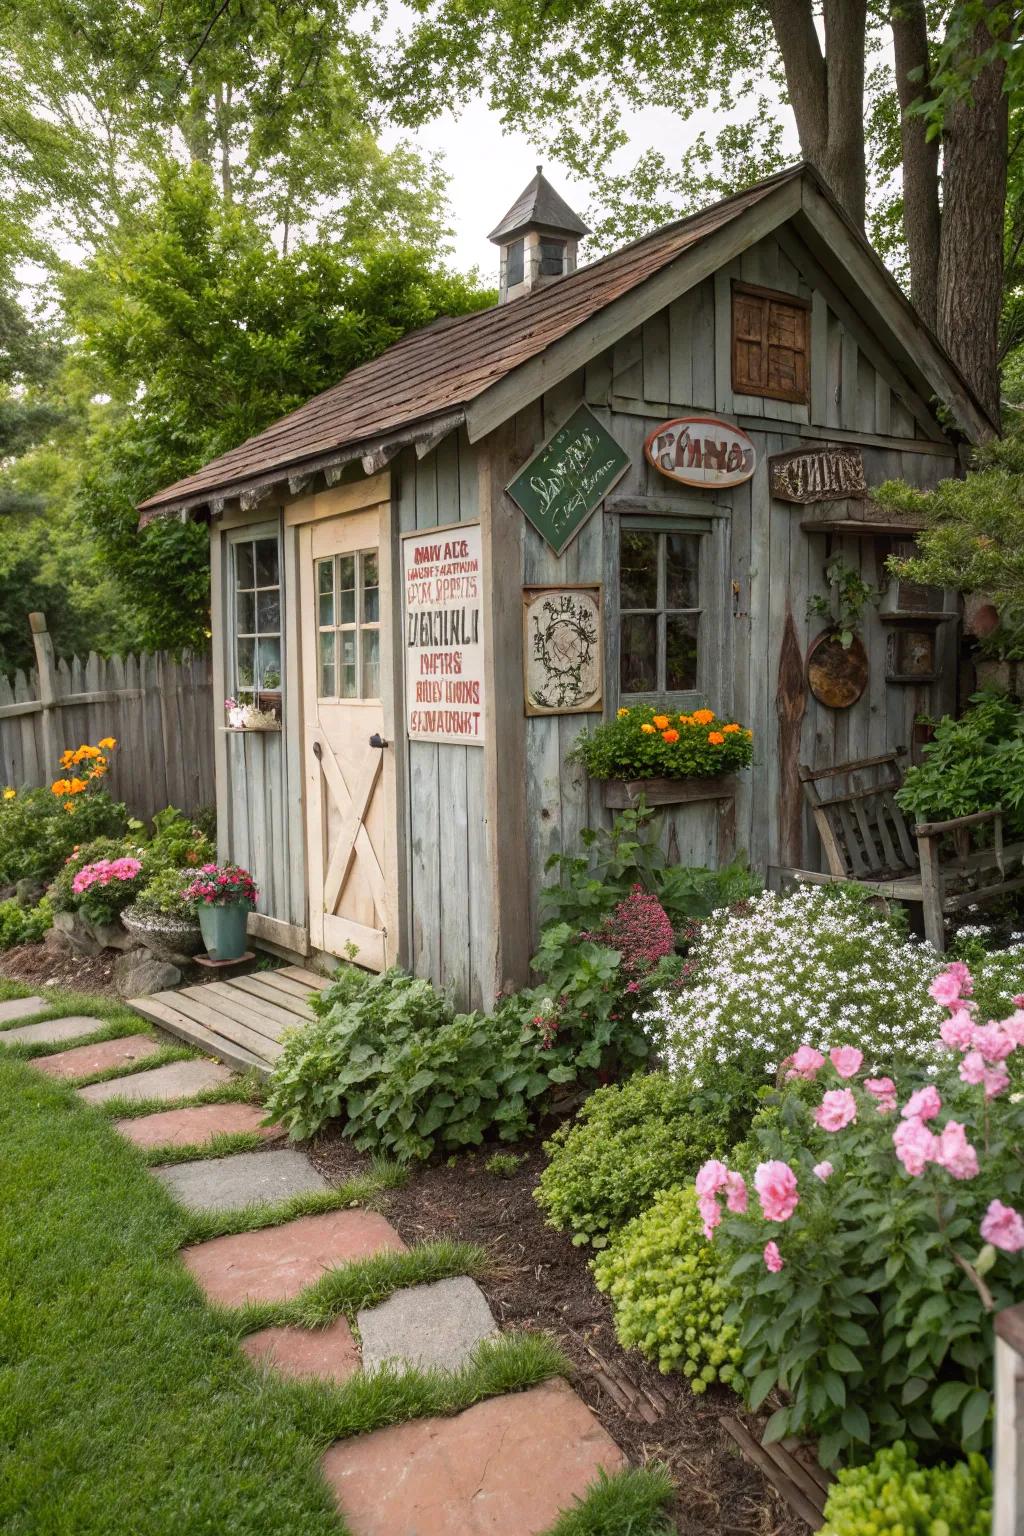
<point x="837" y="676"/>
<point x="701" y="450"/>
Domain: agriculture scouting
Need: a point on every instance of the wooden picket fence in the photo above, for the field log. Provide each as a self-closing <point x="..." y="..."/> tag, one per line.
<point x="159" y="709"/>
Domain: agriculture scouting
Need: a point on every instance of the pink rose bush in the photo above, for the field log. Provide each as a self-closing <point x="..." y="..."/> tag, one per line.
<point x="889" y="1227"/>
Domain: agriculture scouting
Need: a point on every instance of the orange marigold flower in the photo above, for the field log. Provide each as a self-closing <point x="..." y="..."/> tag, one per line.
<point x="76" y="786"/>
<point x="108" y="743"/>
<point x="703" y="716"/>
<point x="661" y="721"/>
<point x="622" y="712"/>
<point x="685" y="719"/>
<point x="730" y="730"/>
<point x="647" y="728"/>
<point x="716" y="738"/>
<point x="670" y="736"/>
<point x="59" y="787"/>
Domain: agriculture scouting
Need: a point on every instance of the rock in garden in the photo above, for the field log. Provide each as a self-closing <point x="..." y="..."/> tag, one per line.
<point x="139" y="972"/>
<point x="73" y="934"/>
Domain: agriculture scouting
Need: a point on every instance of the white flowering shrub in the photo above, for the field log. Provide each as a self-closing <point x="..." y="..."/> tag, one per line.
<point x="819" y="967"/>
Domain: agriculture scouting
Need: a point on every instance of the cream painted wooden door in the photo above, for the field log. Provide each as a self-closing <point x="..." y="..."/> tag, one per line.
<point x="350" y="793"/>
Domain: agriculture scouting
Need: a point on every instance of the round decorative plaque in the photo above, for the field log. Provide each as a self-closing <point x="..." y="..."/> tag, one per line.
<point x="837" y="675"/>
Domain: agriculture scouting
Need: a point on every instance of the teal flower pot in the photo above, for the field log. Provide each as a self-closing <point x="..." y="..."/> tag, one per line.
<point x="223" y="930"/>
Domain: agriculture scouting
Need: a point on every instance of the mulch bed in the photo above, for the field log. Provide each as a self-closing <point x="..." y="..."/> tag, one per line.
<point x="37" y="964"/>
<point x="541" y="1281"/>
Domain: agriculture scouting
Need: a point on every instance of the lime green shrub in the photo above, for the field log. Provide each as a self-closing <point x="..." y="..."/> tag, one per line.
<point x="668" y="1292"/>
<point x="629" y="1141"/>
<point x="893" y="1496"/>
<point x="23" y="925"/>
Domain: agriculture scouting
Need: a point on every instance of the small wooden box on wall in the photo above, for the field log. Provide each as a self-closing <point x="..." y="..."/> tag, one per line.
<point x="913" y="614"/>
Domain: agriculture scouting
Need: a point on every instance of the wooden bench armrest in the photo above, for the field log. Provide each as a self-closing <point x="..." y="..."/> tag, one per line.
<point x="937" y="828"/>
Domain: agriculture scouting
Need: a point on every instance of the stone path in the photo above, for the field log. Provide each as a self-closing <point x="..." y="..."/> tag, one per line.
<point x="505" y="1467"/>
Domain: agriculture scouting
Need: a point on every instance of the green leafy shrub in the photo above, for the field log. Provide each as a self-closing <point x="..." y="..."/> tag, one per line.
<point x="651" y="742"/>
<point x="38" y="830"/>
<point x="24" y="925"/>
<point x="629" y="1141"/>
<point x="971" y="764"/>
<point x="668" y="1293"/>
<point x="893" y="1496"/>
<point x="405" y="1073"/>
<point x="177" y="842"/>
<point x="628" y="854"/>
<point x="818" y="966"/>
<point x="163" y="895"/>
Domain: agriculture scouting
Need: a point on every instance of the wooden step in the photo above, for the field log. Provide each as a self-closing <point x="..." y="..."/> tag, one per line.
<point x="294" y="1008"/>
<point x="310" y="979"/>
<point x="263" y="1016"/>
<point x="192" y="1002"/>
<point x="160" y="1009"/>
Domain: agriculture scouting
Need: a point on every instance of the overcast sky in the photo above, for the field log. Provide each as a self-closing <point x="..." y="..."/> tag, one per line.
<point x="489" y="166"/>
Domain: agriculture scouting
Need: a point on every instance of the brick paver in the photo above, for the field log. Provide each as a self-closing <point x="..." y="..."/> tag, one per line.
<point x="276" y="1263"/>
<point x="505" y="1467"/>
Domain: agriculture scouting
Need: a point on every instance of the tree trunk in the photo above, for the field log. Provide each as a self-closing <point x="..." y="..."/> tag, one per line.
<point x="827" y="91"/>
<point x="973" y="210"/>
<point x="920" y="158"/>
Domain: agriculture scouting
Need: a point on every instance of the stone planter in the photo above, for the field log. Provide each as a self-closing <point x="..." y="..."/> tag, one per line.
<point x="224" y="930"/>
<point x="174" y="939"/>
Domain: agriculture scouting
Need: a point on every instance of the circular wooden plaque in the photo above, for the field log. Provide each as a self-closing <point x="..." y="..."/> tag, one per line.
<point x="837" y="677"/>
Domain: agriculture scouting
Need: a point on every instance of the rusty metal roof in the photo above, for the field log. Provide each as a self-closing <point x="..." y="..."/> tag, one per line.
<point x="433" y="372"/>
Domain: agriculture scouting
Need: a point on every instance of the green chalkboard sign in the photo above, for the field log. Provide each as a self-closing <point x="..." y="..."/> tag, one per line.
<point x="563" y="482"/>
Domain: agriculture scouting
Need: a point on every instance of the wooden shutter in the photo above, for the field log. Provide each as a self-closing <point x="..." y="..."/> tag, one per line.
<point x="770" y="344"/>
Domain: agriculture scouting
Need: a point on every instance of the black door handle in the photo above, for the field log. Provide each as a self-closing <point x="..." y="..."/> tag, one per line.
<point x="377" y="740"/>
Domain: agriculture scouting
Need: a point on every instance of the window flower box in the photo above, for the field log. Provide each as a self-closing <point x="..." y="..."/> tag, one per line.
<point x="670" y="757"/>
<point x="619" y="794"/>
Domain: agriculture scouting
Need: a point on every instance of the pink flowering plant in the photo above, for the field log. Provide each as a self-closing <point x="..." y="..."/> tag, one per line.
<point x="222" y="885"/>
<point x="872" y="1227"/>
<point x="99" y="879"/>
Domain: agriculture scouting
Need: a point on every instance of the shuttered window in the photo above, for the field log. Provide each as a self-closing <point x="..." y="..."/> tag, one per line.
<point x="770" y="344"/>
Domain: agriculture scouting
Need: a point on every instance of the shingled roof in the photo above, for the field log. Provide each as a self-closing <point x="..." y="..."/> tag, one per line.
<point x="539" y="206"/>
<point x="425" y="382"/>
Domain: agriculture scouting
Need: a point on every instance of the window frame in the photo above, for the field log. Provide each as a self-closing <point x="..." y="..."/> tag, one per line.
<point x="702" y="528"/>
<point x="767" y="297"/>
<point x="551" y="241"/>
<point x="520" y="247"/>
<point x="237" y="537"/>
<point x="359" y="626"/>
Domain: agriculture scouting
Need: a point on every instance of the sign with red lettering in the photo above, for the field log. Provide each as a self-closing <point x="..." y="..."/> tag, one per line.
<point x="444" y="641"/>
<point x="702" y="451"/>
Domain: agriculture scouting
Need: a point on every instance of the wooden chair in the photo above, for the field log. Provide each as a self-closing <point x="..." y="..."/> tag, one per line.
<point x="867" y="840"/>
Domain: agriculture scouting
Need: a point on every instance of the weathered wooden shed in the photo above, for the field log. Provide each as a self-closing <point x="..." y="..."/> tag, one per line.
<point x="754" y="367"/>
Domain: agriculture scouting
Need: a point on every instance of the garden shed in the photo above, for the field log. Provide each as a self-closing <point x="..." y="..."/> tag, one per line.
<point x="624" y="481"/>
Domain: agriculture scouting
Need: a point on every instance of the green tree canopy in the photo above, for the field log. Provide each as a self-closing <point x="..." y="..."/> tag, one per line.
<point x="200" y="333"/>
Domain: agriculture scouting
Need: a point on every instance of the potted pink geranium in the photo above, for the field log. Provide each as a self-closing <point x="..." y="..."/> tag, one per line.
<point x="223" y="895"/>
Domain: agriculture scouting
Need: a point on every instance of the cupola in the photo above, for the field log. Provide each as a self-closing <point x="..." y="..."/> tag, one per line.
<point x="537" y="238"/>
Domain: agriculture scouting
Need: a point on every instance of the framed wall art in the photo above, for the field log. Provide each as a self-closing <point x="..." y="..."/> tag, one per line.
<point x="563" y="661"/>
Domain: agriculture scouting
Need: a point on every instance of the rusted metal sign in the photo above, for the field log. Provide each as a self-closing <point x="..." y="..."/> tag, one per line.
<point x="701" y="450"/>
<point x="817" y="474"/>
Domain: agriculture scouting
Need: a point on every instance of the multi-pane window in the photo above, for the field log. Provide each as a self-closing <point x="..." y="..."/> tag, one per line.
<point x="348" y="624"/>
<point x="515" y="269"/>
<point x="770" y="344"/>
<point x="257" y="615"/>
<point x="659" y="610"/>
<point x="552" y="258"/>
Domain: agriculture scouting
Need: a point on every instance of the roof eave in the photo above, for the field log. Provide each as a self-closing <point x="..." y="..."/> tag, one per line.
<point x="293" y="478"/>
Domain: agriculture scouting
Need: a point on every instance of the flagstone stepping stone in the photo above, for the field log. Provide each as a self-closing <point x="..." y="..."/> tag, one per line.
<point x="276" y="1263"/>
<point x="329" y="1352"/>
<point x="177" y="1080"/>
<point x="195" y="1126"/>
<point x="72" y="1028"/>
<point x="22" y="1007"/>
<point x="439" y="1324"/>
<point x="246" y="1178"/>
<point x="83" y="1060"/>
<point x="505" y="1467"/>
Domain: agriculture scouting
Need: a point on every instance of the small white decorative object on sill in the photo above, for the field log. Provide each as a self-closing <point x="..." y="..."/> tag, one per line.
<point x="246" y="717"/>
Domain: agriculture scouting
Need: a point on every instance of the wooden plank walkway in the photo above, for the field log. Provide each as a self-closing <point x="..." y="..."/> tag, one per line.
<point x="240" y="1021"/>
